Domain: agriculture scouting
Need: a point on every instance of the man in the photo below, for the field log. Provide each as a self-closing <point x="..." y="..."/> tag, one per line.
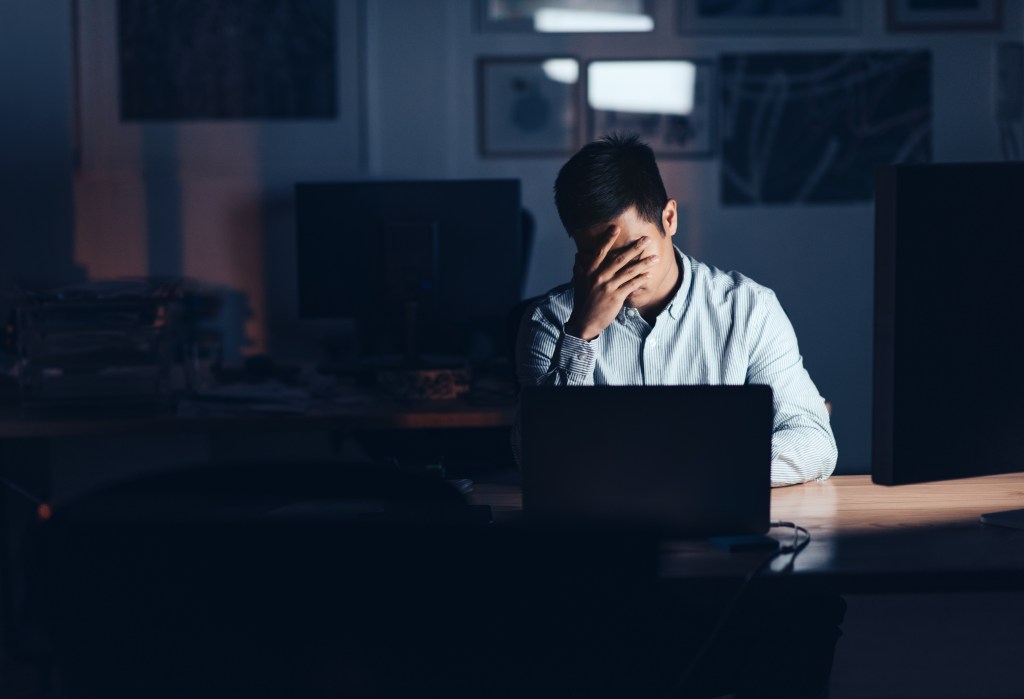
<point x="640" y="312"/>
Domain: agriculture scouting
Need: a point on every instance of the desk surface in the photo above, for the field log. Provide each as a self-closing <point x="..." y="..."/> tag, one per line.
<point x="355" y="412"/>
<point x="872" y="538"/>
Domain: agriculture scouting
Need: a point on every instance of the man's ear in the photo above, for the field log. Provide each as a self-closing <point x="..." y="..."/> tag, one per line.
<point x="670" y="218"/>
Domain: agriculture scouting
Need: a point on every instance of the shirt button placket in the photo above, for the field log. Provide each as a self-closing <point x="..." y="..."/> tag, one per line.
<point x="656" y="375"/>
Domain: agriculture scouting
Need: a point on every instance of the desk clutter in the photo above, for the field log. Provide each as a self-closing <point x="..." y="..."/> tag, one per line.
<point x="154" y="343"/>
<point x="107" y="341"/>
<point x="261" y="385"/>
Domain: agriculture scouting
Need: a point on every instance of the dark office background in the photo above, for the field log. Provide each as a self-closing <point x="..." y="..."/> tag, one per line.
<point x="86" y="192"/>
<point x="93" y="186"/>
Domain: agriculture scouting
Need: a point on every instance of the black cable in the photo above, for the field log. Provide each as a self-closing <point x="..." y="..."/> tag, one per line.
<point x="20" y="491"/>
<point x="795" y="548"/>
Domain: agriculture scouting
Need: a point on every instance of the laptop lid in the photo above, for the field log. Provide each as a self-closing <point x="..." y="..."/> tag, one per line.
<point x="689" y="461"/>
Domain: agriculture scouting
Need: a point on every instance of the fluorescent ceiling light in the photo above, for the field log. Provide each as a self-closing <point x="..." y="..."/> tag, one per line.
<point x="549" y="19"/>
<point x="642" y="87"/>
<point x="562" y="70"/>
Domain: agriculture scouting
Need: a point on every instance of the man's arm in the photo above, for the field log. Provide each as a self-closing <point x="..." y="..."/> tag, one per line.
<point x="546" y="355"/>
<point x="803" y="447"/>
<point x="555" y="346"/>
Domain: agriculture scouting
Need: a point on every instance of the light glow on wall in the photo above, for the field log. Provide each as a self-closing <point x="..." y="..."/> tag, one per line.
<point x="642" y="87"/>
<point x="550" y="19"/>
<point x="562" y="70"/>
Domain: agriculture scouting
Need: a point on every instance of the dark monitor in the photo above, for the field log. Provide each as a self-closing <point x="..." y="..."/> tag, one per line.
<point x="423" y="267"/>
<point x="949" y="301"/>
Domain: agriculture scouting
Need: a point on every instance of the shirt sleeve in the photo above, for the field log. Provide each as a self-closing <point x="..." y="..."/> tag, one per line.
<point x="547" y="356"/>
<point x="803" y="446"/>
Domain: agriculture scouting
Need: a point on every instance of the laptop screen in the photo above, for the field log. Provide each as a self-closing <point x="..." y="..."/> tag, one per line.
<point x="685" y="460"/>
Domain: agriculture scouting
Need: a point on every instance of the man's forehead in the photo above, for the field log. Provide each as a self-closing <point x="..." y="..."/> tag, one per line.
<point x="601" y="227"/>
<point x="628" y="222"/>
<point x="595" y="232"/>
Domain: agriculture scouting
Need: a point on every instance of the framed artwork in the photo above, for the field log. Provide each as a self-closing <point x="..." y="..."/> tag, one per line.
<point x="222" y="59"/>
<point x="566" y="16"/>
<point x="768" y="16"/>
<point x="668" y="103"/>
<point x="528" y="106"/>
<point x="811" y="128"/>
<point x="944" y="15"/>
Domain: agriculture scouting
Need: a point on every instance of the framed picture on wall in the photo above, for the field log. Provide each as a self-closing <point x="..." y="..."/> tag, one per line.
<point x="220" y="59"/>
<point x="566" y="16"/>
<point x="668" y="103"/>
<point x="528" y="106"/>
<point x="944" y="16"/>
<point x="795" y="130"/>
<point x="790" y="17"/>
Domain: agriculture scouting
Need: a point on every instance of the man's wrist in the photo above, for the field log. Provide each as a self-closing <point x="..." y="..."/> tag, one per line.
<point x="575" y="356"/>
<point x="578" y="331"/>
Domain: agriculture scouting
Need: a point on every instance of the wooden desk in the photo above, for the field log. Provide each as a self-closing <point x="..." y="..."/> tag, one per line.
<point x="871" y="538"/>
<point x="361" y="412"/>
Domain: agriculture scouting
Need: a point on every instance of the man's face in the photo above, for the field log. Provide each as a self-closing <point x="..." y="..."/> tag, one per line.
<point x="629" y="227"/>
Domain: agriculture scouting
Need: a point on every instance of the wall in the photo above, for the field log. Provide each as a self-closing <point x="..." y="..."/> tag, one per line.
<point x="818" y="259"/>
<point x="35" y="143"/>
<point x="213" y="200"/>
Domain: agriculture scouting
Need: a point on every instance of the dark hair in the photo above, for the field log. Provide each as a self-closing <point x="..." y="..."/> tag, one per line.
<point x="607" y="177"/>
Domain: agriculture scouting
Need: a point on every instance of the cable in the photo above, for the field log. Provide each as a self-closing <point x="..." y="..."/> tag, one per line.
<point x="43" y="509"/>
<point x="794" y="549"/>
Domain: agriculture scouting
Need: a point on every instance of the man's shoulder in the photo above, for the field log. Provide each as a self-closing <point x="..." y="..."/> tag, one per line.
<point x="555" y="304"/>
<point x="558" y="297"/>
<point x="719" y="285"/>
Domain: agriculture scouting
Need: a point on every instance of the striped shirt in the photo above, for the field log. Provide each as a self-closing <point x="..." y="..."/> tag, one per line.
<point x="719" y="328"/>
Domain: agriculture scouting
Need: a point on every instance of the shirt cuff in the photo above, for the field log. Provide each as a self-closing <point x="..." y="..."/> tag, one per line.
<point x="576" y="355"/>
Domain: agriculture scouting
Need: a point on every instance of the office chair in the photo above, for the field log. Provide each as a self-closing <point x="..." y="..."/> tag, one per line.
<point x="244" y="492"/>
<point x="513" y="320"/>
<point x="247" y="580"/>
<point x="231" y="582"/>
<point x="515" y="314"/>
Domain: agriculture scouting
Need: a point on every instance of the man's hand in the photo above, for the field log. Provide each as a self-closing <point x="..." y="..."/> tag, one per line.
<point x="603" y="280"/>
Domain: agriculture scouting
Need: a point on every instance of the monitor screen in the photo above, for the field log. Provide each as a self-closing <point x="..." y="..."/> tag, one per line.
<point x="444" y="256"/>
<point x="949" y="254"/>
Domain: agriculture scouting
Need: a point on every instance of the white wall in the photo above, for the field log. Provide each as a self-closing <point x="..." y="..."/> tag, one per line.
<point x="213" y="199"/>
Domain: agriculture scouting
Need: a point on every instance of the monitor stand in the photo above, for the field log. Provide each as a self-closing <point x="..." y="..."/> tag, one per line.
<point x="1013" y="519"/>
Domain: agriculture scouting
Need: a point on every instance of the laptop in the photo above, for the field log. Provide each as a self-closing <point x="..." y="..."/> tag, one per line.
<point x="686" y="461"/>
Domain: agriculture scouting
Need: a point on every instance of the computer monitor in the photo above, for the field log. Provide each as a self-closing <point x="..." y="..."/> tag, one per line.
<point x="427" y="267"/>
<point x="949" y="298"/>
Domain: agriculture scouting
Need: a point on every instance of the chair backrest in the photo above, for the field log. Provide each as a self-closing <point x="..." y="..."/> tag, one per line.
<point x="222" y="580"/>
<point x="242" y="492"/>
<point x="202" y="588"/>
<point x="512" y="322"/>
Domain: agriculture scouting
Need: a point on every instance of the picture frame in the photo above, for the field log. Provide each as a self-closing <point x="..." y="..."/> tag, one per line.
<point x="631" y="96"/>
<point x="918" y="16"/>
<point x="194" y="60"/>
<point x="793" y="130"/>
<point x="792" y="17"/>
<point x="528" y="106"/>
<point x="557" y="16"/>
